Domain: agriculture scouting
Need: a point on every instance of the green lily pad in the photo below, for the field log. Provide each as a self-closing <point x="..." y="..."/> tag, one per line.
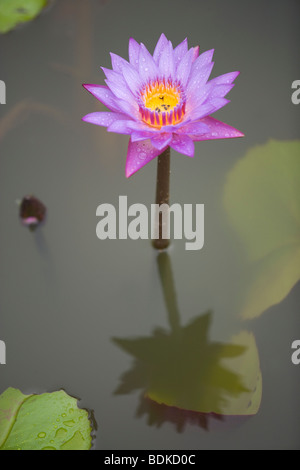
<point x="262" y="201"/>
<point x="14" y="12"/>
<point x="50" y="421"/>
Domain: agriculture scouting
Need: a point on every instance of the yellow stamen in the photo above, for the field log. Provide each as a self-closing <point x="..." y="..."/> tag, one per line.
<point x="161" y="103"/>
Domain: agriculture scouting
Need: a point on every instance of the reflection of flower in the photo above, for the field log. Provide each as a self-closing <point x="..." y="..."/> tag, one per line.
<point x="162" y="100"/>
<point x="184" y="369"/>
<point x="186" y="377"/>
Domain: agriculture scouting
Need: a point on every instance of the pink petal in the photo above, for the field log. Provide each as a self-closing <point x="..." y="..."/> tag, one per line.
<point x="117" y="62"/>
<point x="129" y="107"/>
<point x="166" y="62"/>
<point x="183" y="144"/>
<point x="218" y="130"/>
<point x="138" y="155"/>
<point x="161" y="141"/>
<point x="103" y="118"/>
<point x="184" y="67"/>
<point x="198" y="79"/>
<point x="103" y="94"/>
<point x="140" y="135"/>
<point x="196" y="52"/>
<point x="225" y="79"/>
<point x="198" y="127"/>
<point x="197" y="98"/>
<point x="147" y="66"/>
<point x="161" y="44"/>
<point x="209" y="107"/>
<point x="180" y="51"/>
<point x="116" y="83"/>
<point x="120" y="127"/>
<point x="132" y="78"/>
<point x="219" y="91"/>
<point x="203" y="60"/>
<point x="133" y="52"/>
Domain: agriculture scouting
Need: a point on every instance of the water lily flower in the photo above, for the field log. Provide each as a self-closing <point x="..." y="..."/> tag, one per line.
<point x="162" y="101"/>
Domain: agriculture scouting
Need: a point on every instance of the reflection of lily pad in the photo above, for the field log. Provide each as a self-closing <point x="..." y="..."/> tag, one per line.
<point x="185" y="370"/>
<point x="262" y="200"/>
<point x="14" y="12"/>
<point x="51" y="421"/>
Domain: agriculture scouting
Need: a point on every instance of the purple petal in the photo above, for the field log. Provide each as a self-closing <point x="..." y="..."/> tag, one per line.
<point x="120" y="90"/>
<point x="184" y="67"/>
<point x="196" y="52"/>
<point x="198" y="127"/>
<point x="103" y="94"/>
<point x="138" y="155"/>
<point x="132" y="78"/>
<point x="133" y="52"/>
<point x="166" y="61"/>
<point x="147" y="66"/>
<point x="218" y="130"/>
<point x="112" y="101"/>
<point x="219" y="91"/>
<point x="103" y="118"/>
<point x="161" y="44"/>
<point x="161" y="141"/>
<point x="140" y="135"/>
<point x="183" y="144"/>
<point x="198" y="79"/>
<point x="204" y="59"/>
<point x="180" y="51"/>
<point x="129" y="107"/>
<point x="210" y="106"/>
<point x="117" y="62"/>
<point x="140" y="126"/>
<point x="119" y="127"/>
<point x="198" y="97"/>
<point x="225" y="79"/>
<point x="116" y="83"/>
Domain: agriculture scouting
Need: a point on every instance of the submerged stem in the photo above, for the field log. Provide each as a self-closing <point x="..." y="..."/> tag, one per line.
<point x="162" y="195"/>
<point x="169" y="291"/>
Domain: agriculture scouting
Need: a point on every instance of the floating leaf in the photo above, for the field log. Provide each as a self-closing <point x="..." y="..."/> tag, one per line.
<point x="51" y="421"/>
<point x="14" y="12"/>
<point x="262" y="200"/>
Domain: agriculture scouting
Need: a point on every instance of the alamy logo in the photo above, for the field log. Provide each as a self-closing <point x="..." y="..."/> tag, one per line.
<point x="139" y="226"/>
<point x="2" y="352"/>
<point x="296" y="95"/>
<point x="296" y="353"/>
<point x="2" y="92"/>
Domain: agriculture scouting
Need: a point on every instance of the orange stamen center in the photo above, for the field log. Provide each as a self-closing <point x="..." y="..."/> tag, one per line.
<point x="162" y="103"/>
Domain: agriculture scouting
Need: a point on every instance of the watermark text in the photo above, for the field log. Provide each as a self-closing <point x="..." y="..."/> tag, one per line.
<point x="136" y="222"/>
<point x="296" y="353"/>
<point x="2" y="92"/>
<point x="296" y="94"/>
<point x="2" y="352"/>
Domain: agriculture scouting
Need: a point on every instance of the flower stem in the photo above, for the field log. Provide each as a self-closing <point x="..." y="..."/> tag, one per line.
<point x="162" y="195"/>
